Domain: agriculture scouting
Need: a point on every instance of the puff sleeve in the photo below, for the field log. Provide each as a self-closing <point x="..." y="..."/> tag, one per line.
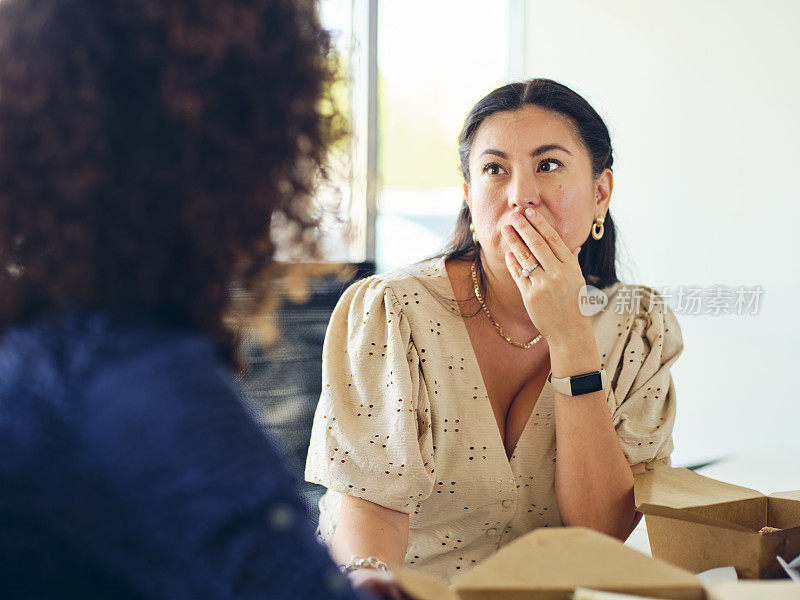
<point x="371" y="435"/>
<point x="642" y="400"/>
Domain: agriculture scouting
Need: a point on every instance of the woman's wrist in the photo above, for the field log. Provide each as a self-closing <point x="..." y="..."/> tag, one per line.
<point x="363" y="562"/>
<point x="574" y="354"/>
<point x="575" y="331"/>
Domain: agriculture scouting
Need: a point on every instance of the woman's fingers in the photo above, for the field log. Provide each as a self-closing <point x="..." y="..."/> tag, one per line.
<point x="515" y="268"/>
<point x="550" y="235"/>
<point x="527" y="244"/>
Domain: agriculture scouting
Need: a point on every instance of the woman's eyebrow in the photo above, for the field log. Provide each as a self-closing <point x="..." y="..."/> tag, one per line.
<point x="540" y="150"/>
<point x="499" y="153"/>
<point x="547" y="148"/>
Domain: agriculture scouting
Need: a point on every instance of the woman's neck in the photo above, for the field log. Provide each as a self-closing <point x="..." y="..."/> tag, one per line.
<point x="502" y="297"/>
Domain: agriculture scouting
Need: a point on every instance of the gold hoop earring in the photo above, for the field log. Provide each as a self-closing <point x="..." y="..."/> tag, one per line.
<point x="474" y="235"/>
<point x="598" y="233"/>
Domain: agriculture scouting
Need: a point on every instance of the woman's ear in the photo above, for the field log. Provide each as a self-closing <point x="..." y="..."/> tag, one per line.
<point x="467" y="198"/>
<point x="604" y="184"/>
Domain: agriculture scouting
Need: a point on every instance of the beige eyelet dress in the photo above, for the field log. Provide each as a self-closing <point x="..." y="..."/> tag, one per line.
<point x="404" y="419"/>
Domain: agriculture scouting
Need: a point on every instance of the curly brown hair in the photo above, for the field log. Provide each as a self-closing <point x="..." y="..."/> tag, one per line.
<point x="147" y="145"/>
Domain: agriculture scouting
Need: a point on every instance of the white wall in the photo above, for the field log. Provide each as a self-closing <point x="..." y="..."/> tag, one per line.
<point x="703" y="102"/>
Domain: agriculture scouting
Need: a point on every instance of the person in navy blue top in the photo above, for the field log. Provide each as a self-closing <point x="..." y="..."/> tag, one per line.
<point x="146" y="147"/>
<point x="130" y="470"/>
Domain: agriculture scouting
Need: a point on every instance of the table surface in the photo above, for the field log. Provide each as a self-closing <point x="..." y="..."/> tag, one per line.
<point x="770" y="470"/>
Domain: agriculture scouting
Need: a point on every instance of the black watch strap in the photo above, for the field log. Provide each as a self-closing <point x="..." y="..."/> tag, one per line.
<point x="577" y="385"/>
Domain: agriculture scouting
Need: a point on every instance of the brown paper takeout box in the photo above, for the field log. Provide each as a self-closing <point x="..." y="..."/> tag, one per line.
<point x="754" y="590"/>
<point x="548" y="564"/>
<point x="699" y="523"/>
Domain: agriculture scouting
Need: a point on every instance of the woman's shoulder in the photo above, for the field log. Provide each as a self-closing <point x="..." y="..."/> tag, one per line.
<point x="400" y="300"/>
<point x="407" y="285"/>
<point x="624" y="308"/>
<point x="70" y="348"/>
<point x="89" y="375"/>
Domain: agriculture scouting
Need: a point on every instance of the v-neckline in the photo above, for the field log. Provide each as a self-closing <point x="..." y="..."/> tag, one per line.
<point x="488" y="403"/>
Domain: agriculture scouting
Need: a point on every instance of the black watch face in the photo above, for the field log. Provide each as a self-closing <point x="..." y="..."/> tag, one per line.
<point x="586" y="384"/>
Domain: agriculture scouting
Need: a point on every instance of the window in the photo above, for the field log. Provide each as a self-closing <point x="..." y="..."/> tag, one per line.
<point x="429" y="76"/>
<point x="407" y="85"/>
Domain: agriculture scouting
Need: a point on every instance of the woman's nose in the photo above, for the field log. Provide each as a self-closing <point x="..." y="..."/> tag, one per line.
<point x="522" y="193"/>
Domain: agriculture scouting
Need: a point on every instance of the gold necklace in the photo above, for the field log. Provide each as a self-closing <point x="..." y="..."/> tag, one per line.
<point x="489" y="315"/>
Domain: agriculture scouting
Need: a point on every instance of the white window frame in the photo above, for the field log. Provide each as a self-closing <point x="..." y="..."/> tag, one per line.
<point x="364" y="109"/>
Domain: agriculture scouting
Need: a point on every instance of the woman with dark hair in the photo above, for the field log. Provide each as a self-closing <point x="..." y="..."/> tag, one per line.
<point x="448" y="386"/>
<point x="145" y="148"/>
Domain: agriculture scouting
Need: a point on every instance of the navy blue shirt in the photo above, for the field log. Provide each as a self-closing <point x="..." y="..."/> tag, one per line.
<point x="130" y="469"/>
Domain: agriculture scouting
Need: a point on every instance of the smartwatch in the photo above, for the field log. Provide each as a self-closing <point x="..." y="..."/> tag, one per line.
<point x="578" y="385"/>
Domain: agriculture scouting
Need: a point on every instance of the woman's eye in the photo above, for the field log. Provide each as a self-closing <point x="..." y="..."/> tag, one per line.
<point x="493" y="169"/>
<point x="546" y="167"/>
